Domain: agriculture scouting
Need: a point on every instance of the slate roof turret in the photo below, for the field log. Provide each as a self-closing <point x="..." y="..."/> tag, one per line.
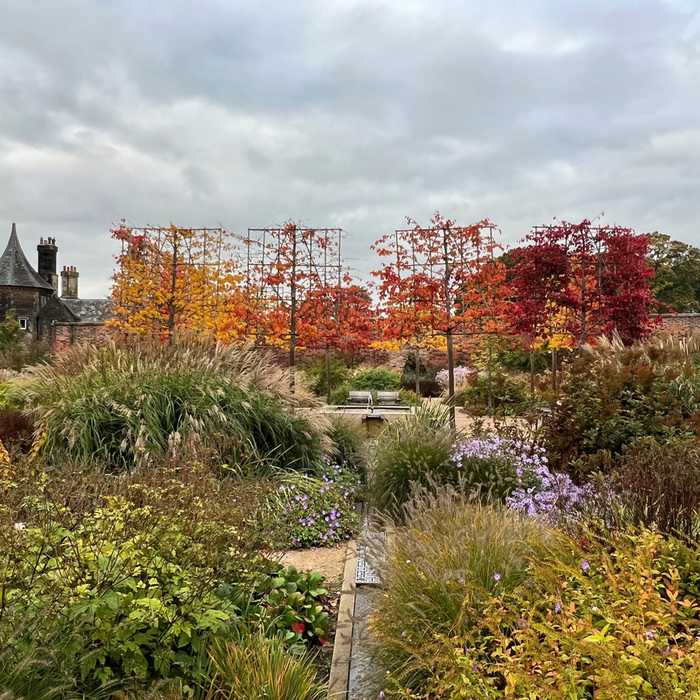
<point x="15" y="269"/>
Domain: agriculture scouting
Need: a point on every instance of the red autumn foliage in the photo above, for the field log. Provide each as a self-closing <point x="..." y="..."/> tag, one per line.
<point x="596" y="277"/>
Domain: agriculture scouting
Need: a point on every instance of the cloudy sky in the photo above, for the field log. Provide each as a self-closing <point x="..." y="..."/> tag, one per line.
<point x="346" y="113"/>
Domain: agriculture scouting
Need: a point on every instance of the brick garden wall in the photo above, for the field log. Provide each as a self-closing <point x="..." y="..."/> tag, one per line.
<point x="63" y="335"/>
<point x="680" y="324"/>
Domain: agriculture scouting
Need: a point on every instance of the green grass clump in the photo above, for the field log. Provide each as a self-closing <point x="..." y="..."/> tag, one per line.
<point x="415" y="449"/>
<point x="257" y="667"/>
<point x="441" y="567"/>
<point x="124" y="406"/>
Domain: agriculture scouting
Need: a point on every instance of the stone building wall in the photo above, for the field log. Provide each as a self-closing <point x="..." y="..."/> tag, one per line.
<point x="25" y="302"/>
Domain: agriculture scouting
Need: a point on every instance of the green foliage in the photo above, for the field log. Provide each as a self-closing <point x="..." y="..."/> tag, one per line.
<point x="409" y="398"/>
<point x="117" y="582"/>
<point x="440" y="570"/>
<point x="429" y="386"/>
<point x="295" y="604"/>
<point x="509" y="394"/>
<point x="518" y="359"/>
<point x="319" y="375"/>
<point x="257" y="667"/>
<point x="127" y="603"/>
<point x="376" y="379"/>
<point x="17" y="348"/>
<point x="347" y="444"/>
<point x="11" y="335"/>
<point x="660" y="484"/>
<point x="411" y="450"/>
<point x="123" y="406"/>
<point x="676" y="281"/>
<point x="612" y="619"/>
<point x="611" y="395"/>
<point x="339" y="395"/>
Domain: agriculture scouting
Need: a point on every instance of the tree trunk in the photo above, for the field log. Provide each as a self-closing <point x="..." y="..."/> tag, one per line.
<point x="417" y="359"/>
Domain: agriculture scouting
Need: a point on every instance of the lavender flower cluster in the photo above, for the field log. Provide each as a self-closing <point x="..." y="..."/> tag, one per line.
<point x="462" y="375"/>
<point x="537" y="491"/>
<point x="525" y="457"/>
<point x="319" y="512"/>
<point x="553" y="496"/>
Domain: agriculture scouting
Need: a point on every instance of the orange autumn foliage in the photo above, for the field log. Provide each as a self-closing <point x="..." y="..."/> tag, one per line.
<point x="177" y="279"/>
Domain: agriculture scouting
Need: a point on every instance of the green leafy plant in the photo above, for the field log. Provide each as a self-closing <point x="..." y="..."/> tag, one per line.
<point x="126" y="603"/>
<point x="508" y="394"/>
<point x="376" y="379"/>
<point x="321" y="374"/>
<point x="295" y="604"/>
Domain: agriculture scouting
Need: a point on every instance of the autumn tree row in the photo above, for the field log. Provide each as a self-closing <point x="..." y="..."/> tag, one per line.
<point x="438" y="284"/>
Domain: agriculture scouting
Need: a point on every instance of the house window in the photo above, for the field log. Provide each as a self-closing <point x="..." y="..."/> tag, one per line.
<point x="24" y="323"/>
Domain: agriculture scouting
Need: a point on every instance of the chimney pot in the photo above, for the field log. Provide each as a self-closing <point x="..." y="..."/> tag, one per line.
<point x="46" y="261"/>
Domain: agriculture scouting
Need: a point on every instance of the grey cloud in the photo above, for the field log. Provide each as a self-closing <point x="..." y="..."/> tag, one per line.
<point x="353" y="113"/>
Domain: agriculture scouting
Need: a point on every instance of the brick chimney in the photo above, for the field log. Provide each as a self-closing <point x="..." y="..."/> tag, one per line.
<point x="47" y="250"/>
<point x="69" y="282"/>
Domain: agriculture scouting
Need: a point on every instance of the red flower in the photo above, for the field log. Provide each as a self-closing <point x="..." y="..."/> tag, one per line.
<point x="298" y="627"/>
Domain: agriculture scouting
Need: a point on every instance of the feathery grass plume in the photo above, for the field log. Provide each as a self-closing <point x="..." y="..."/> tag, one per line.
<point x="257" y="667"/>
<point x="120" y="406"/>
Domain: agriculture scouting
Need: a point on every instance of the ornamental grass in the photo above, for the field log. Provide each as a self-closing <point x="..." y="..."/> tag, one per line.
<point x="121" y="406"/>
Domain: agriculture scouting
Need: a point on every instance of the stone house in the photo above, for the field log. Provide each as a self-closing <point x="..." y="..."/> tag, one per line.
<point x="56" y="316"/>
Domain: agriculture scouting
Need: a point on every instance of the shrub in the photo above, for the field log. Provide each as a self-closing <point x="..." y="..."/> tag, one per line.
<point x="257" y="667"/>
<point x="616" y="619"/>
<point x="120" y="581"/>
<point x="318" y="373"/>
<point x="376" y="379"/>
<point x="660" y="484"/>
<point x="440" y="569"/>
<point x="339" y="395"/>
<point x="428" y="384"/>
<point x="347" y="444"/>
<point x="124" y="406"/>
<point x="509" y="394"/>
<point x="611" y="395"/>
<point x="126" y="602"/>
<point x="307" y="511"/>
<point x="518" y="359"/>
<point x="17" y="348"/>
<point x="409" y="398"/>
<point x="414" y="449"/>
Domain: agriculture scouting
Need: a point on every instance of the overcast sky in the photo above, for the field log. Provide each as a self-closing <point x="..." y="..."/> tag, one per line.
<point x="348" y="113"/>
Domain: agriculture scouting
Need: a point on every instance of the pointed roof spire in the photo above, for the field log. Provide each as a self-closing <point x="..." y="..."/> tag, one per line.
<point x="15" y="269"/>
